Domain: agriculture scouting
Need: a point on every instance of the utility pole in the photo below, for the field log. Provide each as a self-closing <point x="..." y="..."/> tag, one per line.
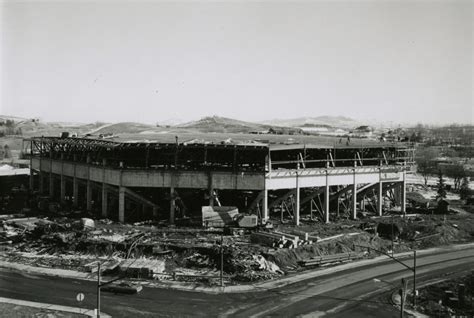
<point x="222" y="261"/>
<point x="392" y="235"/>
<point x="98" y="289"/>
<point x="402" y="293"/>
<point x="414" y="279"/>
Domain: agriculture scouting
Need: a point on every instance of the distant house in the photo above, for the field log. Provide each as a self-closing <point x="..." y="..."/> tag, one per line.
<point x="362" y="132"/>
<point x="285" y="131"/>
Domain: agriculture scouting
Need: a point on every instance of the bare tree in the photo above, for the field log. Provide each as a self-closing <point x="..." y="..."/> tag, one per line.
<point x="424" y="160"/>
<point x="456" y="172"/>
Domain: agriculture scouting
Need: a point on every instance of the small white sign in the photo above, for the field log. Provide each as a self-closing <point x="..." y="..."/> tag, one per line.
<point x="80" y="297"/>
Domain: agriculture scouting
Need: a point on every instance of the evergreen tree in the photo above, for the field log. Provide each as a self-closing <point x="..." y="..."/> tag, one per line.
<point x="441" y="186"/>
<point x="464" y="189"/>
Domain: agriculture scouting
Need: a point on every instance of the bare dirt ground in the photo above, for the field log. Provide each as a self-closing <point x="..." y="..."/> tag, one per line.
<point x="434" y="302"/>
<point x="16" y="311"/>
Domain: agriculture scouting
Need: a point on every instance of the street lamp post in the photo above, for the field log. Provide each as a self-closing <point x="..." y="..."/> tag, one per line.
<point x="222" y="261"/>
<point x="401" y="293"/>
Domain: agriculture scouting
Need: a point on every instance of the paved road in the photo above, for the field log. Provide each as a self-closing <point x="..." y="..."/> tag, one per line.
<point x="350" y="293"/>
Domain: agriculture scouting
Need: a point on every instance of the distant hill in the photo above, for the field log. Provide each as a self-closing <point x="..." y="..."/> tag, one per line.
<point x="122" y="128"/>
<point x="223" y="125"/>
<point x="320" y="121"/>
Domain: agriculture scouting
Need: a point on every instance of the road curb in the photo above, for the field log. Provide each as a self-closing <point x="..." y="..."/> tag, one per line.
<point x="75" y="310"/>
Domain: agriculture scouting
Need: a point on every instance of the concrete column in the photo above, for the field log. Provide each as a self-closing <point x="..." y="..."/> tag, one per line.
<point x="397" y="194"/>
<point x="210" y="188"/>
<point x="88" y="195"/>
<point x="265" y="206"/>
<point x="326" y="202"/>
<point x="155" y="211"/>
<point x="172" y="205"/>
<point x="354" y="200"/>
<point x="63" y="188"/>
<point x="51" y="177"/>
<point x="32" y="181"/>
<point x="297" y="207"/>
<point x="403" y="194"/>
<point x="51" y="184"/>
<point x="75" y="192"/>
<point x="75" y="186"/>
<point x="41" y="182"/>
<point x="104" y="201"/>
<point x="211" y="196"/>
<point x="121" y="214"/>
<point x="380" y="199"/>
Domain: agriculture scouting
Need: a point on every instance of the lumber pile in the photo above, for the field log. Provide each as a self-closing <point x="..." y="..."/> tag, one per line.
<point x="279" y="239"/>
<point x="328" y="259"/>
<point x="142" y="268"/>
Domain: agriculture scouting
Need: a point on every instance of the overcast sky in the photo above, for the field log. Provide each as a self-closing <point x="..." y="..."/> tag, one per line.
<point x="83" y="61"/>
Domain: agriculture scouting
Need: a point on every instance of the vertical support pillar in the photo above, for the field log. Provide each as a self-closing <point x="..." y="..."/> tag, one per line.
<point x="265" y="207"/>
<point x="403" y="194"/>
<point x="63" y="181"/>
<point x="155" y="212"/>
<point x="51" y="177"/>
<point x="121" y="212"/>
<point x="32" y="182"/>
<point x="104" y="201"/>
<point x="172" y="205"/>
<point x="326" y="199"/>
<point x="88" y="195"/>
<point x="354" y="198"/>
<point x="210" y="188"/>
<point x="63" y="188"/>
<point x="380" y="199"/>
<point x="105" y="208"/>
<point x="41" y="182"/>
<point x="211" y="196"/>
<point x="75" y="186"/>
<point x="51" y="185"/>
<point x="75" y="192"/>
<point x="297" y="207"/>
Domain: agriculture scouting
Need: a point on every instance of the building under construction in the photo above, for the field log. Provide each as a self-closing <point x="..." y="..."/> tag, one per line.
<point x="132" y="181"/>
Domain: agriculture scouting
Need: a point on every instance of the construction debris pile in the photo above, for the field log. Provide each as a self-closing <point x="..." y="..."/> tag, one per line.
<point x="450" y="298"/>
<point x="148" y="250"/>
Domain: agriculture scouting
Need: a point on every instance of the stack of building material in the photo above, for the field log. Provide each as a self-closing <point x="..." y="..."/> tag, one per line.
<point x="219" y="216"/>
<point x="278" y="239"/>
<point x="104" y="266"/>
<point x="142" y="268"/>
<point x="328" y="259"/>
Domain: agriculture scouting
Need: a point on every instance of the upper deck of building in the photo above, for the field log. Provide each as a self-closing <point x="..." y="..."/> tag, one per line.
<point x="229" y="152"/>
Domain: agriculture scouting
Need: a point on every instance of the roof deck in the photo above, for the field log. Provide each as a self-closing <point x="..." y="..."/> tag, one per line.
<point x="230" y="154"/>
